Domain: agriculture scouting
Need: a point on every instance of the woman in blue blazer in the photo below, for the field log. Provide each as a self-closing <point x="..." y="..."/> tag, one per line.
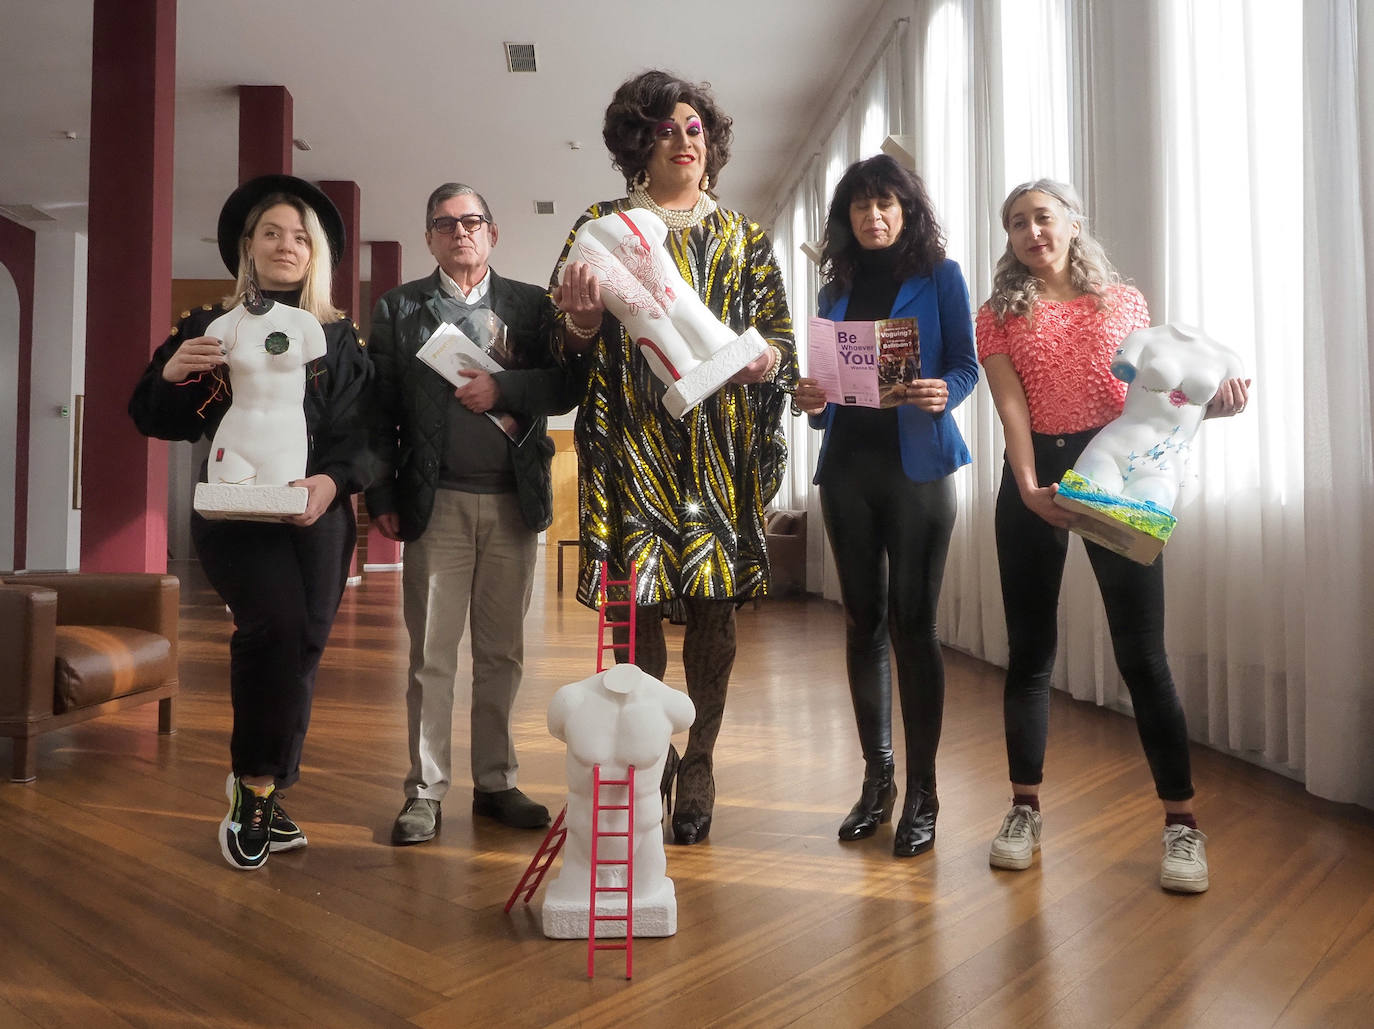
<point x="885" y="481"/>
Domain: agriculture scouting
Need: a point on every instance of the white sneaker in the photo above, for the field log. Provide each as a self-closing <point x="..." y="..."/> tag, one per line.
<point x="1184" y="868"/>
<point x="1018" y="839"/>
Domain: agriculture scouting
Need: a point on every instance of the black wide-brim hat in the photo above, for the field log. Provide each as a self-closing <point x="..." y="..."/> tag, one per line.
<point x="234" y="214"/>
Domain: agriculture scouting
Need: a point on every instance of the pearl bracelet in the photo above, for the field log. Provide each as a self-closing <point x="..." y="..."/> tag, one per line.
<point x="572" y="327"/>
<point x="776" y="366"/>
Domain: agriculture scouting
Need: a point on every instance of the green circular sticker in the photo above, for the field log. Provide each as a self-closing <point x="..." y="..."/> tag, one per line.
<point x="277" y="343"/>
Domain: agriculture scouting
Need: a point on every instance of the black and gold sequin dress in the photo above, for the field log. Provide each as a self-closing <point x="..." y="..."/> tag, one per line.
<point x="684" y="500"/>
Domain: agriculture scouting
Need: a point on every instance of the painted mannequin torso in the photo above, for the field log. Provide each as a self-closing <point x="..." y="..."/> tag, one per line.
<point x="1173" y="371"/>
<point x="262" y="440"/>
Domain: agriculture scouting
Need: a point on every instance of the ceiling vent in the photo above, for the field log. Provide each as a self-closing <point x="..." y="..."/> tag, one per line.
<point x="520" y="57"/>
<point x="301" y="143"/>
<point x="543" y="207"/>
<point x="25" y="213"/>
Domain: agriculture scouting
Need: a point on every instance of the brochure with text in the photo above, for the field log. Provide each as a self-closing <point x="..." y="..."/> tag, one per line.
<point x="451" y="351"/>
<point x="864" y="364"/>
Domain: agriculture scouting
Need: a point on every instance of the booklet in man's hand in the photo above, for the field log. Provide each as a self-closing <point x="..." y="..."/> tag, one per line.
<point x="450" y="351"/>
<point x="864" y="364"/>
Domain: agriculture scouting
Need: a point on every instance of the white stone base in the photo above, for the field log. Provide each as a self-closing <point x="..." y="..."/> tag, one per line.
<point x="227" y="501"/>
<point x="709" y="376"/>
<point x="655" y="915"/>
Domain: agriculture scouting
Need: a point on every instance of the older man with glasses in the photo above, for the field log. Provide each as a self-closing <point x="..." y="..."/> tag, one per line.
<point x="468" y="490"/>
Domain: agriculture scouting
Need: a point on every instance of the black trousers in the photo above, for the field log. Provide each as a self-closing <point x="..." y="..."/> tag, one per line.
<point x="283" y="584"/>
<point x="890" y="537"/>
<point x="1031" y="554"/>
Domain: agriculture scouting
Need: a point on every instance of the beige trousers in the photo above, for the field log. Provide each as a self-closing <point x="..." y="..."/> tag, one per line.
<point x="475" y="559"/>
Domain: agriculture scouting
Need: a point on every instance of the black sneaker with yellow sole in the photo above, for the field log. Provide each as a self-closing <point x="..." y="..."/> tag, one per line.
<point x="245" y="832"/>
<point x="285" y="834"/>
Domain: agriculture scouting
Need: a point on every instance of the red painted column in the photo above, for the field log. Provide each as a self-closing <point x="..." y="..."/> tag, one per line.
<point x="18" y="254"/>
<point x="348" y="199"/>
<point x="124" y="475"/>
<point x="265" y="126"/>
<point x="386" y="275"/>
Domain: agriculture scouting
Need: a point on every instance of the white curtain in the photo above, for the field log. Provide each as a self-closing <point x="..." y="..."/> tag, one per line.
<point x="1333" y="716"/>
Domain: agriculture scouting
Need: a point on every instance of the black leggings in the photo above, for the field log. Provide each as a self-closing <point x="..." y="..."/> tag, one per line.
<point x="708" y="656"/>
<point x="876" y="516"/>
<point x="1030" y="554"/>
<point x="283" y="584"/>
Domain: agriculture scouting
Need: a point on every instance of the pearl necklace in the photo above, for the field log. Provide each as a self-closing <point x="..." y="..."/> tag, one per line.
<point x="639" y="197"/>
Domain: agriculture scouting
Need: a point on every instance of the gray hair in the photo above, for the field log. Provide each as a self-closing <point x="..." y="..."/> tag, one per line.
<point x="448" y="191"/>
<point x="1015" y="289"/>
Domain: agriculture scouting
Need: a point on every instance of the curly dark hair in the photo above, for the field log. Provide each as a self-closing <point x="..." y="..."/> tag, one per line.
<point x="920" y="247"/>
<point x="642" y="102"/>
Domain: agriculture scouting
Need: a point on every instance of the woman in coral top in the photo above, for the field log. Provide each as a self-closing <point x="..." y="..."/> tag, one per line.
<point x="1046" y="336"/>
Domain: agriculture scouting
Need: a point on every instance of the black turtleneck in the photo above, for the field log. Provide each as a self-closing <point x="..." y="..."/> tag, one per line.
<point x="289" y="297"/>
<point x="875" y="285"/>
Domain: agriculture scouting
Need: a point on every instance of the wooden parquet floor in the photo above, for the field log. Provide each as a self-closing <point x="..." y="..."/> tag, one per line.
<point x="116" y="908"/>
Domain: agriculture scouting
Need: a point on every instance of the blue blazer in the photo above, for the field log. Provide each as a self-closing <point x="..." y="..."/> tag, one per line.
<point x="931" y="444"/>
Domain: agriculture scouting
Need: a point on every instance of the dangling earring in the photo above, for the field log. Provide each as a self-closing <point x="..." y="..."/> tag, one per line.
<point x="705" y="182"/>
<point x="253" y="300"/>
<point x="641" y="180"/>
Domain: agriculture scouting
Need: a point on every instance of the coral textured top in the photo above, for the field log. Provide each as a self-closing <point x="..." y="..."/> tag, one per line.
<point x="1064" y="359"/>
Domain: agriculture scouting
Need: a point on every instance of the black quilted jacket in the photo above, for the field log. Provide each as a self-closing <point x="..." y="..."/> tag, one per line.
<point x="411" y="403"/>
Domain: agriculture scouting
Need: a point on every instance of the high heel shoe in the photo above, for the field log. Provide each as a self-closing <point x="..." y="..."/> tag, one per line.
<point x="665" y="785"/>
<point x="916" y="828"/>
<point x="689" y="829"/>
<point x="874" y="807"/>
<point x="696" y="797"/>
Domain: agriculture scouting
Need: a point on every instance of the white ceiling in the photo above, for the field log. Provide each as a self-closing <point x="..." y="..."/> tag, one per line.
<point x="400" y="96"/>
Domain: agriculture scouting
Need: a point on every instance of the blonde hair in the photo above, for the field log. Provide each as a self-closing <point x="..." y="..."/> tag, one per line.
<point x="1015" y="289"/>
<point x="319" y="272"/>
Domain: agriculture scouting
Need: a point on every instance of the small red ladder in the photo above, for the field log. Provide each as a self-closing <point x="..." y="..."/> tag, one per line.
<point x="627" y="863"/>
<point x="602" y="622"/>
<point x="543" y="858"/>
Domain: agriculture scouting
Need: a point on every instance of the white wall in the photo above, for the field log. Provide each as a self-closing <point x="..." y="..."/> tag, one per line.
<point x="9" y="376"/>
<point x="59" y="372"/>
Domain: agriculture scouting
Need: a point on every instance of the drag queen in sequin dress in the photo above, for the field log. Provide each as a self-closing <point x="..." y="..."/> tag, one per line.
<point x="681" y="500"/>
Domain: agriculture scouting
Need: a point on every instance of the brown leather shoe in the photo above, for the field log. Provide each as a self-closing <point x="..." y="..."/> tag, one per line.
<point x="418" y="822"/>
<point x="510" y="807"/>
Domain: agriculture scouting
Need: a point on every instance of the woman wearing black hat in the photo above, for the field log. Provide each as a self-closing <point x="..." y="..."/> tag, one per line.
<point x="282" y="581"/>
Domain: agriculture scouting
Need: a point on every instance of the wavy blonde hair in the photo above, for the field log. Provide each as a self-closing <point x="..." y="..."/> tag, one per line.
<point x="319" y="274"/>
<point x="1015" y="289"/>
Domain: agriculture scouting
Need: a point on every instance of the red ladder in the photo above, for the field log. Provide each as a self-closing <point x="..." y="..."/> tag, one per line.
<point x="627" y="863"/>
<point x="543" y="858"/>
<point x="602" y="623"/>
<point x="557" y="834"/>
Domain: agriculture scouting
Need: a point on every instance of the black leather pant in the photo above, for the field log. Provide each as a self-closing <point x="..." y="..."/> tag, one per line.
<point x="283" y="584"/>
<point x="1031" y="554"/>
<point x="890" y="537"/>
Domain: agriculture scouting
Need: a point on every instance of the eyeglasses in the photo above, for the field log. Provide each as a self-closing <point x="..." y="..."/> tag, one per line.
<point x="471" y="223"/>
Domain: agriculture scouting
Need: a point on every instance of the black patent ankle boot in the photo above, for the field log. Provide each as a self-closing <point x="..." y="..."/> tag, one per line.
<point x="874" y="808"/>
<point x="916" y="828"/>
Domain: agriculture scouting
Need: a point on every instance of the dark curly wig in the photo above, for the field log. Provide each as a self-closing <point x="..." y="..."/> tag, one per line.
<point x="919" y="248"/>
<point x="644" y="101"/>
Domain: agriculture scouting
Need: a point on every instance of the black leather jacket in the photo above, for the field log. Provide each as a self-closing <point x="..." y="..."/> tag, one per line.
<point x="410" y="429"/>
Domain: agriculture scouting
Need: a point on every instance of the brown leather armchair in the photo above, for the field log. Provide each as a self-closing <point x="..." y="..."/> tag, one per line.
<point x="785" y="536"/>
<point x="76" y="646"/>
